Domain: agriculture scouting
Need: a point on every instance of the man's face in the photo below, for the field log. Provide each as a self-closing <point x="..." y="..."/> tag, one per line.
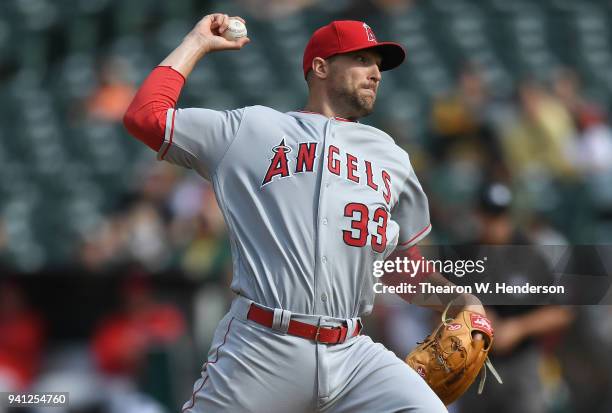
<point x="353" y="82"/>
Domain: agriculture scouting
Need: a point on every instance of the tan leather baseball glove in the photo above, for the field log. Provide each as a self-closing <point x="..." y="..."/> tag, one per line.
<point x="450" y="358"/>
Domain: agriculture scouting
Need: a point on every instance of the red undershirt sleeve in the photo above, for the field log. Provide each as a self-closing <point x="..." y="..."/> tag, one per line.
<point x="145" y="118"/>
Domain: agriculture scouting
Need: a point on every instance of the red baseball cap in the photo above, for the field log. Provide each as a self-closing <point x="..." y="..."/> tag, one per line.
<point x="343" y="36"/>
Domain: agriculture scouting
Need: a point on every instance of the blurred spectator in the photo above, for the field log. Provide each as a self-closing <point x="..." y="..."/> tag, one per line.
<point x="138" y="230"/>
<point x="146" y="218"/>
<point x="113" y="95"/>
<point x="592" y="153"/>
<point x="200" y="231"/>
<point x="157" y="181"/>
<point x="146" y="238"/>
<point x="21" y="339"/>
<point x="135" y="348"/>
<point x="171" y="221"/>
<point x="566" y="86"/>
<point x="587" y="358"/>
<point x="541" y="232"/>
<point x="541" y="139"/>
<point x="121" y="341"/>
<point x="137" y="235"/>
<point x="520" y="324"/>
<point x="463" y="124"/>
<point x="103" y="247"/>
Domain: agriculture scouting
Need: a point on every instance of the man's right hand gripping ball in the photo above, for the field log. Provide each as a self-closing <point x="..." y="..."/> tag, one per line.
<point x="210" y="29"/>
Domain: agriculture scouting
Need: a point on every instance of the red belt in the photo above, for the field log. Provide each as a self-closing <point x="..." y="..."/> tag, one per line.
<point x="325" y="335"/>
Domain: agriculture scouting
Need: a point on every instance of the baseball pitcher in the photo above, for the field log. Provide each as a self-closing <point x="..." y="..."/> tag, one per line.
<point x="311" y="199"/>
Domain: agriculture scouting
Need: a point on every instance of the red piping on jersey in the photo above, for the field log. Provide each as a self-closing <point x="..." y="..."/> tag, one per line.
<point x="145" y="118"/>
<point x="193" y="395"/>
<point x="171" y="135"/>
<point x="335" y="117"/>
<point x="417" y="235"/>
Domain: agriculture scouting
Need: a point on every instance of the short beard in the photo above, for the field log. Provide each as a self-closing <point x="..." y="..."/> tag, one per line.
<point x="356" y="105"/>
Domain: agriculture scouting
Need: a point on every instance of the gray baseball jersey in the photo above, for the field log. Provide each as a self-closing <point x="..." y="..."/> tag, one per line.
<point x="310" y="202"/>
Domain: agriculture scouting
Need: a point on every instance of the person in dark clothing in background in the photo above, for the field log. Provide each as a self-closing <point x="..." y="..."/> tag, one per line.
<point x="521" y="322"/>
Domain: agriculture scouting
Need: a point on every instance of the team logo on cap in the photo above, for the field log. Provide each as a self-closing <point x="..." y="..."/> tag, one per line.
<point x="369" y="33"/>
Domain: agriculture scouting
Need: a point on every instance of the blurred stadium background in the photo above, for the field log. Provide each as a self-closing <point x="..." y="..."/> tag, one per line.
<point x="114" y="267"/>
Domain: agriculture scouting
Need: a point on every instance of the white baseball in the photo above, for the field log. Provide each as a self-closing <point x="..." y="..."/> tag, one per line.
<point x="235" y="30"/>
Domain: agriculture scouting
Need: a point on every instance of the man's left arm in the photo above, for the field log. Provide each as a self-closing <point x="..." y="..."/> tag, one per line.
<point x="411" y="212"/>
<point x="438" y="302"/>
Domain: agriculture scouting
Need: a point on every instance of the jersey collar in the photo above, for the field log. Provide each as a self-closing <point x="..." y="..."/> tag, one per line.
<point x="335" y="117"/>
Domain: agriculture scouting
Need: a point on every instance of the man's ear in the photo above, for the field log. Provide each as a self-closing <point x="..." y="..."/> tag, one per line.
<point x="320" y="68"/>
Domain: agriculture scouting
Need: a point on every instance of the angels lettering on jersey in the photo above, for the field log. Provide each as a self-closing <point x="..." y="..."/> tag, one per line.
<point x="286" y="162"/>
